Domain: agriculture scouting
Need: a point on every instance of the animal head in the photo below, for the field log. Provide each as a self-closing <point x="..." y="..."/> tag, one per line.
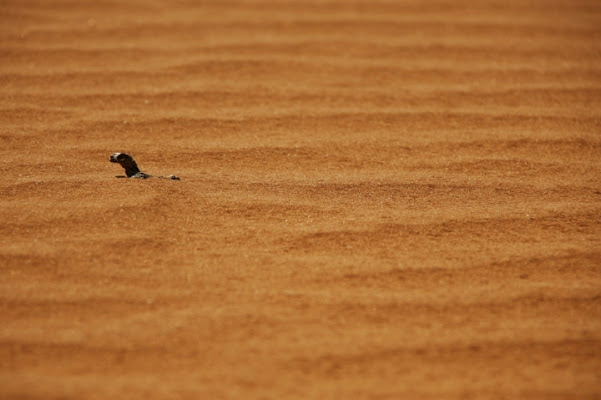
<point x="127" y="162"/>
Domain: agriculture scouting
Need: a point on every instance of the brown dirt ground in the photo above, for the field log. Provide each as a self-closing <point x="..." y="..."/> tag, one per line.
<point x="379" y="199"/>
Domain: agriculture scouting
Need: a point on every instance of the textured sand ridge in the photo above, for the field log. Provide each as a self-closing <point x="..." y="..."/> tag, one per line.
<point x="379" y="199"/>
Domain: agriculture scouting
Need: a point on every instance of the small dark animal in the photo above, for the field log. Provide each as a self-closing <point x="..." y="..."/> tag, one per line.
<point x="131" y="168"/>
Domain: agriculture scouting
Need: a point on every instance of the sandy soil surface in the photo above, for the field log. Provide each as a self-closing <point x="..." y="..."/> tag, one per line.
<point x="379" y="199"/>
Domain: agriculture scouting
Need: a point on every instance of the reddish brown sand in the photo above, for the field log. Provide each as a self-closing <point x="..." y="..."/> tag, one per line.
<point x="379" y="199"/>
